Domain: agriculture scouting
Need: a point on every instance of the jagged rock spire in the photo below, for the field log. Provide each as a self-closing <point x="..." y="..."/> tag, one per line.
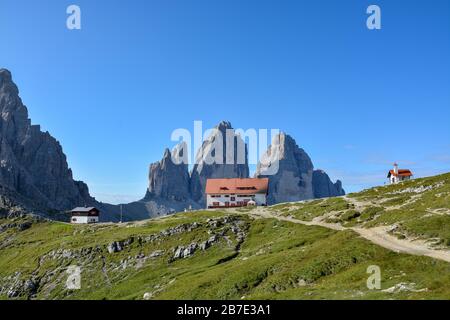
<point x="169" y="178"/>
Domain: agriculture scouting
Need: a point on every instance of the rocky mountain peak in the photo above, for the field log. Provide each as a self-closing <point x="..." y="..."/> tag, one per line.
<point x="291" y="173"/>
<point x="224" y="125"/>
<point x="222" y="155"/>
<point x="167" y="154"/>
<point x="169" y="177"/>
<point x="5" y="76"/>
<point x="10" y="103"/>
<point x="32" y="162"/>
<point x="284" y="154"/>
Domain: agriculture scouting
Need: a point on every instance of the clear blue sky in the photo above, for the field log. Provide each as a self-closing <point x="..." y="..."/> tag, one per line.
<point x="355" y="100"/>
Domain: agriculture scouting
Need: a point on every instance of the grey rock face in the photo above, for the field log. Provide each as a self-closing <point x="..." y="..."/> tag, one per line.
<point x="189" y="250"/>
<point x="32" y="162"/>
<point x="169" y="178"/>
<point x="181" y="252"/>
<point x="222" y="155"/>
<point x="324" y="187"/>
<point x="115" y="246"/>
<point x="289" y="169"/>
<point x="156" y="253"/>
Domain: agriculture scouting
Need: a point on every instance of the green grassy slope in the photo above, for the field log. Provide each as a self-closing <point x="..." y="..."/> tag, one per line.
<point x="417" y="209"/>
<point x="247" y="258"/>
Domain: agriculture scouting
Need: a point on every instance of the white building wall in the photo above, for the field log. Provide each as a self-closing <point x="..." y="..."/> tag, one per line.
<point x="83" y="220"/>
<point x="397" y="179"/>
<point x="260" y="199"/>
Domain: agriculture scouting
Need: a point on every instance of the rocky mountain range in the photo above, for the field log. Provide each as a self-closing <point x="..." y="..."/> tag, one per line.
<point x="34" y="171"/>
<point x="289" y="168"/>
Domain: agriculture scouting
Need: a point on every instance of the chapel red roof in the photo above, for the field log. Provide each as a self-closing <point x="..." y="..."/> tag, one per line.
<point x="401" y="173"/>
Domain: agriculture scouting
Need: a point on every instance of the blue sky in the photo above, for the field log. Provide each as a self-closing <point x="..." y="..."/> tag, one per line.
<point x="112" y="93"/>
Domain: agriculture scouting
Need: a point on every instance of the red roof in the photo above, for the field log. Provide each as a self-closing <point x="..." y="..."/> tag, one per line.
<point x="401" y="173"/>
<point x="237" y="186"/>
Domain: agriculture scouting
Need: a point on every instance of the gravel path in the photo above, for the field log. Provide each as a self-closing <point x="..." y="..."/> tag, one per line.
<point x="378" y="236"/>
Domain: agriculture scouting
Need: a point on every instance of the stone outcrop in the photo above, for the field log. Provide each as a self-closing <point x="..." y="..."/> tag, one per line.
<point x="323" y="186"/>
<point x="32" y="162"/>
<point x="289" y="169"/>
<point x="222" y="155"/>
